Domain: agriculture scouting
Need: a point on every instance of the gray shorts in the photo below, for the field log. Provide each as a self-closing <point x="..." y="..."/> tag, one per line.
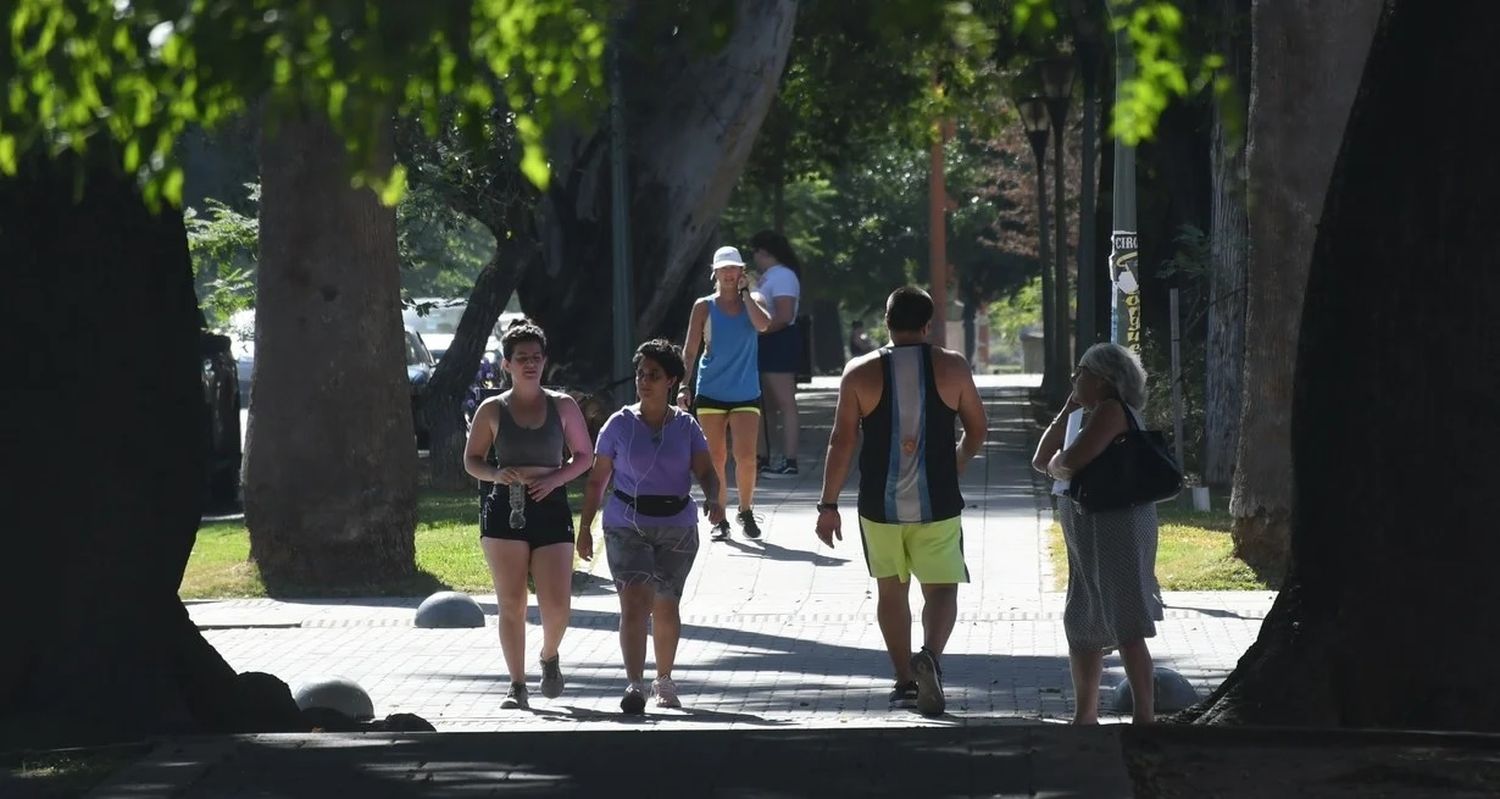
<point x="662" y="556"/>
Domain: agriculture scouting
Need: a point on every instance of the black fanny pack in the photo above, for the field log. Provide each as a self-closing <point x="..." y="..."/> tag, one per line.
<point x="654" y="504"/>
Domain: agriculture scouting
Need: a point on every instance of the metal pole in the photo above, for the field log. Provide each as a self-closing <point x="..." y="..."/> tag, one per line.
<point x="937" y="221"/>
<point x="1176" y="381"/>
<point x="1088" y="63"/>
<point x="621" y="279"/>
<point x="1060" y="231"/>
<point x="1125" y="313"/>
<point x="1044" y="254"/>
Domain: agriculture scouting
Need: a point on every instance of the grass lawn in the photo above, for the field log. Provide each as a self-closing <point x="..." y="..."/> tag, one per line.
<point x="1192" y="553"/>
<point x="68" y="772"/>
<point x="448" y="555"/>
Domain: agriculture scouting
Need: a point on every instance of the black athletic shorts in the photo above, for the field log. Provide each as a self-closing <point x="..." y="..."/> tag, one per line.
<point x="547" y="522"/>
<point x="704" y="405"/>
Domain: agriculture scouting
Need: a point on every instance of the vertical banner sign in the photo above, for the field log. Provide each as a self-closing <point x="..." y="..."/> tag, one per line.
<point x="1125" y="275"/>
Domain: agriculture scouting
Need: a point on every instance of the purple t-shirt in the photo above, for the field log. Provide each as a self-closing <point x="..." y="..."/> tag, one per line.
<point x="645" y="465"/>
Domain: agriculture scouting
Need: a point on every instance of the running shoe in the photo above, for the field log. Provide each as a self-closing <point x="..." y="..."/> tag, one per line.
<point x="787" y="467"/>
<point x="552" y="678"/>
<point x="515" y="698"/>
<point x="930" y="701"/>
<point x="633" y="703"/>
<point x="905" y="694"/>
<point x="748" y="525"/>
<point x="720" y="531"/>
<point x="666" y="692"/>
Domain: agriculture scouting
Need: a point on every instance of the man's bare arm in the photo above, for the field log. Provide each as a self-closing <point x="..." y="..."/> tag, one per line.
<point x="845" y="433"/>
<point x="970" y="414"/>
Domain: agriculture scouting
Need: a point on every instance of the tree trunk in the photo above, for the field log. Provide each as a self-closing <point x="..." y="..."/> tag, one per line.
<point x="1384" y="622"/>
<point x="1307" y="59"/>
<point x="443" y="404"/>
<point x="105" y="450"/>
<point x="330" y="461"/>
<point x="1224" y="358"/>
<point x="691" y="122"/>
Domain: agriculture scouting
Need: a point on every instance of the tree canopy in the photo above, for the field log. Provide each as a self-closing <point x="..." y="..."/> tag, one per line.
<point x="140" y="72"/>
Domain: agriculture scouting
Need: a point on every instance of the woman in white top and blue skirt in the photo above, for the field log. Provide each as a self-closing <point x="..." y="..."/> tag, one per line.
<point x="1113" y="599"/>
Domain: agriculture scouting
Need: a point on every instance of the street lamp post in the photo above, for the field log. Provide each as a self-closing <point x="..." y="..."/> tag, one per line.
<point x="1033" y="111"/>
<point x="1057" y="85"/>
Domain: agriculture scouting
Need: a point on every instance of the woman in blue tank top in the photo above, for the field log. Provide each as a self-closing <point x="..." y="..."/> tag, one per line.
<point x="723" y="385"/>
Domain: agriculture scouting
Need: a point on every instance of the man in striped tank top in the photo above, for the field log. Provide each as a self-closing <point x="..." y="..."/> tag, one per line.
<point x="905" y="398"/>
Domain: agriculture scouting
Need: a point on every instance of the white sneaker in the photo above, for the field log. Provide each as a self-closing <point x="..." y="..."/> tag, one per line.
<point x="666" y="692"/>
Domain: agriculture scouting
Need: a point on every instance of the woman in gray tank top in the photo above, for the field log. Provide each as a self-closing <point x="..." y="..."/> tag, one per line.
<point x="541" y="443"/>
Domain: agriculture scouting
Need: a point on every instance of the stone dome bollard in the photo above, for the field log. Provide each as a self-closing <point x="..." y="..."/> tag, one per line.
<point x="1173" y="693"/>
<point x="339" y="694"/>
<point x="449" y="609"/>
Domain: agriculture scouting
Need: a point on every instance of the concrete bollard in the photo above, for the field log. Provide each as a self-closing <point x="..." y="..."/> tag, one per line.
<point x="339" y="694"/>
<point x="1173" y="693"/>
<point x="448" y="609"/>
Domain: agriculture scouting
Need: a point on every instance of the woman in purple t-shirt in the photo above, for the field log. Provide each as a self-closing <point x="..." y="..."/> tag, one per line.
<point x="652" y="451"/>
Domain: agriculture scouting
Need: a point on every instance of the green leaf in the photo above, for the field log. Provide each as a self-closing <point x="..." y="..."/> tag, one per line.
<point x="8" y="163"/>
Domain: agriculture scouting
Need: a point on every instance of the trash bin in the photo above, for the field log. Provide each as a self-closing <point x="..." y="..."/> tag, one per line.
<point x="1033" y="353"/>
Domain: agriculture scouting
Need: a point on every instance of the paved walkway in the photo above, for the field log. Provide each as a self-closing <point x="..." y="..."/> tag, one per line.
<point x="779" y="632"/>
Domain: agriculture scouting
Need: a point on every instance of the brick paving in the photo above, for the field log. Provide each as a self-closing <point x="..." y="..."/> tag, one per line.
<point x="777" y="633"/>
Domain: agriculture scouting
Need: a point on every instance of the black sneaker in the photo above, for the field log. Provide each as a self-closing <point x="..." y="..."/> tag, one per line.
<point x="633" y="703"/>
<point x="720" y="531"/>
<point x="748" y="525"/>
<point x="930" y="700"/>
<point x="905" y="693"/>
<point x="787" y="468"/>
<point x="515" y="698"/>
<point x="552" y="679"/>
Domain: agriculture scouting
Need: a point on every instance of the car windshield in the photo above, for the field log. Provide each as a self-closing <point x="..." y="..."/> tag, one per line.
<point x="434" y="315"/>
<point x="416" y="351"/>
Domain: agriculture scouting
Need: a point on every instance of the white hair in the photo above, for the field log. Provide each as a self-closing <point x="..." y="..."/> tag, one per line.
<point x="1119" y="367"/>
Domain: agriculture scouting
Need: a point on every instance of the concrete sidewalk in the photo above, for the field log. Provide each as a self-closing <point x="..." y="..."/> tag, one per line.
<point x="779" y="632"/>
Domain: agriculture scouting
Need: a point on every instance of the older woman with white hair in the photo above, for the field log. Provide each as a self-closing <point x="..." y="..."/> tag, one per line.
<point x="1113" y="599"/>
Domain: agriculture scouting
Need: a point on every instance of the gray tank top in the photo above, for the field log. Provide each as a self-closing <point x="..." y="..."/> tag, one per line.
<point x="529" y="446"/>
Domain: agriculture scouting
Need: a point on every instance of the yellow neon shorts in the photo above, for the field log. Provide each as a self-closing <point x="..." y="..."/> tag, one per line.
<point x="933" y="552"/>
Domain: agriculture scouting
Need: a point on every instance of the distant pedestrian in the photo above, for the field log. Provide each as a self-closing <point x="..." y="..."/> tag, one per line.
<point x="722" y="387"/>
<point x="525" y="524"/>
<point x="1113" y="599"/>
<point x="905" y="398"/>
<point x="860" y="342"/>
<point x="650" y="452"/>
<point x="780" y="344"/>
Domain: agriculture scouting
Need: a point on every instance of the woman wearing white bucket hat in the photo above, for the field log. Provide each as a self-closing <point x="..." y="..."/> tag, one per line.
<point x="723" y="384"/>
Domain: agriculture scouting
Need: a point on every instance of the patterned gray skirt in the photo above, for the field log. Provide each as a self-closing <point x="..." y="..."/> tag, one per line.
<point x="1112" y="591"/>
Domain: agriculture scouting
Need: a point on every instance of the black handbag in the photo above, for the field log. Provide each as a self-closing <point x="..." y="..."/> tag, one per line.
<point x="1136" y="468"/>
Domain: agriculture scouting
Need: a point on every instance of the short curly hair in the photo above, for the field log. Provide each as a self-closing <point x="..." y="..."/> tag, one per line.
<point x="666" y="355"/>
<point x="519" y="332"/>
<point x="1119" y="367"/>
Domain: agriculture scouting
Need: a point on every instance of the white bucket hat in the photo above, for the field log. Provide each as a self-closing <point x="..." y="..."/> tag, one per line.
<point x="727" y="256"/>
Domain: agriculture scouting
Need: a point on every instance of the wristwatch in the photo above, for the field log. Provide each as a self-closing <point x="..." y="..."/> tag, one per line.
<point x="833" y="506"/>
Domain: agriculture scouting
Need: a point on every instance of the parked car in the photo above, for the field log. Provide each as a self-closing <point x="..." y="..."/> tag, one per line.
<point x="437" y="321"/>
<point x="242" y="345"/>
<point x="221" y="393"/>
<point x="419" y="366"/>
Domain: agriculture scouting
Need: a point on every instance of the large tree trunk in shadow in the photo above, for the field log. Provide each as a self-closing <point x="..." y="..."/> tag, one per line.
<point x="1224" y="357"/>
<point x="330" y="459"/>
<point x="105" y="452"/>
<point x="1307" y="59"/>
<point x="1384" y="621"/>
<point x="444" y="403"/>
<point x="691" y="120"/>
